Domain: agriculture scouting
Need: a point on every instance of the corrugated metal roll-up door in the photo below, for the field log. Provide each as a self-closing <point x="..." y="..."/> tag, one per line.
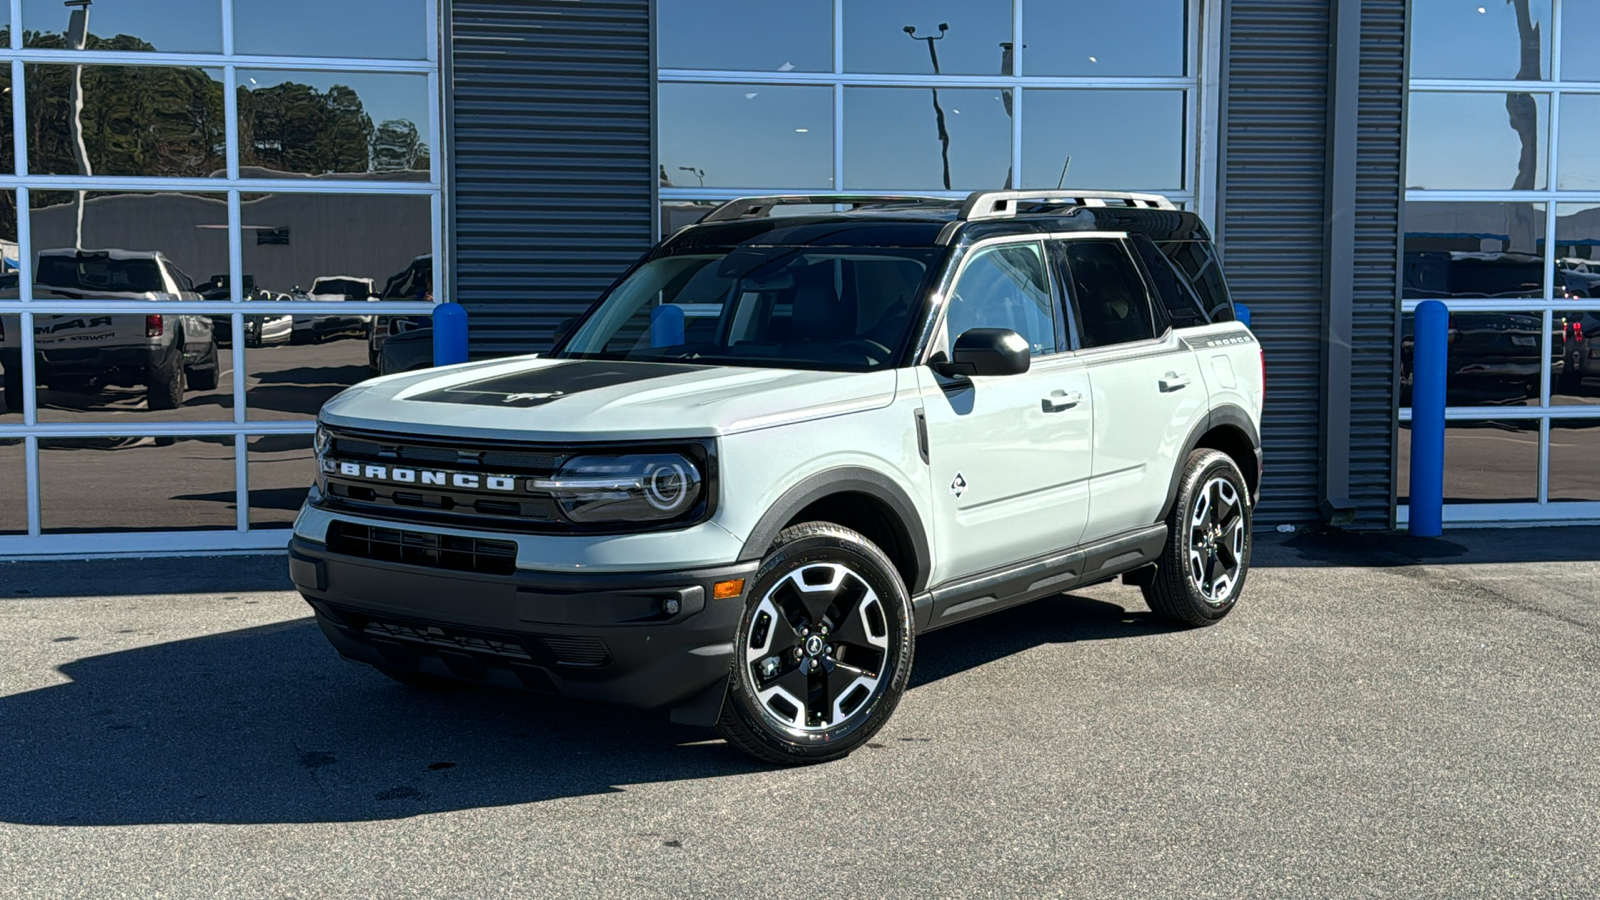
<point x="1377" y="257"/>
<point x="551" y="191"/>
<point x="1270" y="225"/>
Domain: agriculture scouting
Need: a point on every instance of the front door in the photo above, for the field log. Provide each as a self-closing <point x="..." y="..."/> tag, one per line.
<point x="1008" y="456"/>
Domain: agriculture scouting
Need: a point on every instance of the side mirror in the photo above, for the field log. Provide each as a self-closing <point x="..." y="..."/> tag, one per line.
<point x="987" y="351"/>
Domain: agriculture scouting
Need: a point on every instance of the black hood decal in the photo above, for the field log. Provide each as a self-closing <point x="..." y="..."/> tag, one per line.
<point x="519" y="390"/>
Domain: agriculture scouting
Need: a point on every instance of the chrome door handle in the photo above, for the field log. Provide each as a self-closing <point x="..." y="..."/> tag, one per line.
<point x="1060" y="400"/>
<point x="1174" y="381"/>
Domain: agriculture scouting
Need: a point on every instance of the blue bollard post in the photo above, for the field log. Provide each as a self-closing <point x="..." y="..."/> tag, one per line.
<point x="1429" y="367"/>
<point x="1242" y="314"/>
<point x="449" y="334"/>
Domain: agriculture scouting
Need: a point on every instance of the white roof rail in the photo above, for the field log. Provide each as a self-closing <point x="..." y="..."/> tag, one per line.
<point x="1003" y="204"/>
<point x="757" y="207"/>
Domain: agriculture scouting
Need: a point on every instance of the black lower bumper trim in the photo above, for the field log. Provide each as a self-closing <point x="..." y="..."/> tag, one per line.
<point x="644" y="639"/>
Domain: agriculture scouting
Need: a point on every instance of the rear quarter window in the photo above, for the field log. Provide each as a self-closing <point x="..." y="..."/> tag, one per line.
<point x="1200" y="271"/>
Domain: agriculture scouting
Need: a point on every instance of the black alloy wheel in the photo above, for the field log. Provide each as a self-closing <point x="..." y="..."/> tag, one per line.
<point x="1207" y="556"/>
<point x="823" y="651"/>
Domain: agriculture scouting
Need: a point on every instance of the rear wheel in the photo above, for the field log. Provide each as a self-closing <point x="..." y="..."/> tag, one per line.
<point x="164" y="387"/>
<point x="823" y="651"/>
<point x="1203" y="566"/>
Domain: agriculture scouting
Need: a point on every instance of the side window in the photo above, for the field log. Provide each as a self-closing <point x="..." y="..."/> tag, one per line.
<point x="1107" y="294"/>
<point x="1197" y="262"/>
<point x="1004" y="287"/>
<point x="1178" y="302"/>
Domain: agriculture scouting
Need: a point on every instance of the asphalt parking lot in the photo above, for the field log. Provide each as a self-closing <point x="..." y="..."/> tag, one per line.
<point x="1380" y="717"/>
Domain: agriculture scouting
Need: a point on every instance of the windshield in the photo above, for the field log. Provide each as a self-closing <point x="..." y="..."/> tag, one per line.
<point x="779" y="307"/>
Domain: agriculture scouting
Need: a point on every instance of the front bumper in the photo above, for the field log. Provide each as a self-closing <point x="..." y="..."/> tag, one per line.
<point x="593" y="636"/>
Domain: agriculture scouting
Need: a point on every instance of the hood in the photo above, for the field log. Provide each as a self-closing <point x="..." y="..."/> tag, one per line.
<point x="559" y="400"/>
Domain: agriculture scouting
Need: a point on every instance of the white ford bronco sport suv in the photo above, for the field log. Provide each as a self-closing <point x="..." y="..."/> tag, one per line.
<point x="780" y="448"/>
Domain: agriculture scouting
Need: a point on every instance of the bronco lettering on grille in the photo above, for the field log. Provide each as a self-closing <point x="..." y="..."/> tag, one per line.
<point x="465" y="480"/>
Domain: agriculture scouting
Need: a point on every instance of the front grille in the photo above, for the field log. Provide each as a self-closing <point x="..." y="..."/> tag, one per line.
<point x="420" y="548"/>
<point x="413" y="479"/>
<point x="415" y="501"/>
<point x="420" y="450"/>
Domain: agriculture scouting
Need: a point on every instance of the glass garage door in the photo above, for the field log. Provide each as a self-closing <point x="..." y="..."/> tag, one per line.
<point x="1502" y="222"/>
<point x="931" y="96"/>
<point x="211" y="213"/>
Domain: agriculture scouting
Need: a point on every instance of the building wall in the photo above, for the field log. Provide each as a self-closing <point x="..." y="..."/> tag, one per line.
<point x="1277" y="227"/>
<point x="551" y="148"/>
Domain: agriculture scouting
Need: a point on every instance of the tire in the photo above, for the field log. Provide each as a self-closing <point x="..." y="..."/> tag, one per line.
<point x="848" y="646"/>
<point x="205" y="376"/>
<point x="13" y="390"/>
<point x="422" y="681"/>
<point x="1189" y="586"/>
<point x="1571" y="379"/>
<point x="164" y="387"/>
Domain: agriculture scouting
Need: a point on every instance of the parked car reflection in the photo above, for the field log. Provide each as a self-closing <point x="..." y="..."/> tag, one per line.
<point x="415" y="282"/>
<point x="1494" y="358"/>
<point x="1580" y="374"/>
<point x="345" y="322"/>
<point x="85" y="352"/>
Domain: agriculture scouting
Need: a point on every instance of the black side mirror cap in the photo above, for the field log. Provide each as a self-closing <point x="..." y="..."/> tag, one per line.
<point x="986" y="352"/>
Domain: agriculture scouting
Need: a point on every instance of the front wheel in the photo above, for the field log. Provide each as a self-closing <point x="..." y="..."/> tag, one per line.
<point x="823" y="650"/>
<point x="1203" y="566"/>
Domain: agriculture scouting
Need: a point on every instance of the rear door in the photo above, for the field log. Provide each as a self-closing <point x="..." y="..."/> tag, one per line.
<point x="1147" y="391"/>
<point x="1008" y="456"/>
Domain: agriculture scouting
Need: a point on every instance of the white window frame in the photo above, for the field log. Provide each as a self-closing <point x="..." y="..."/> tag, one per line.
<point x="241" y="538"/>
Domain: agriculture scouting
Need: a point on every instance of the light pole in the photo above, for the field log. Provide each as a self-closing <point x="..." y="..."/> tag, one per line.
<point x="77" y="39"/>
<point x="698" y="173"/>
<point x="938" y="111"/>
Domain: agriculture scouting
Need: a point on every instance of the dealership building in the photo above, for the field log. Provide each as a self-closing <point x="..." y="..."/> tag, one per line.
<point x="253" y="165"/>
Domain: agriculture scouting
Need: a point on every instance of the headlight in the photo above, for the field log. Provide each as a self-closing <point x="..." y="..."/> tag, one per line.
<point x="651" y="487"/>
<point x="322" y="443"/>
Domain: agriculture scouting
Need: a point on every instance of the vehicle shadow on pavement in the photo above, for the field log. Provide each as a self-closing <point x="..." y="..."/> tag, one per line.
<point x="267" y="725"/>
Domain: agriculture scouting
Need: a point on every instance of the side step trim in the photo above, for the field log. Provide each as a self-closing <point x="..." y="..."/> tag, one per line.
<point x="1008" y="586"/>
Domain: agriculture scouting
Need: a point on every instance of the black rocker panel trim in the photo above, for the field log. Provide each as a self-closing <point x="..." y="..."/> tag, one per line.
<point x="547" y="384"/>
<point x="1222" y="416"/>
<point x="845" y="480"/>
<point x="1043" y="576"/>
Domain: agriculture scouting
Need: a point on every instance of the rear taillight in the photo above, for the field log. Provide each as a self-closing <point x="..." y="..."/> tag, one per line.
<point x="1577" y="331"/>
<point x="154" y="326"/>
<point x="1263" y="354"/>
